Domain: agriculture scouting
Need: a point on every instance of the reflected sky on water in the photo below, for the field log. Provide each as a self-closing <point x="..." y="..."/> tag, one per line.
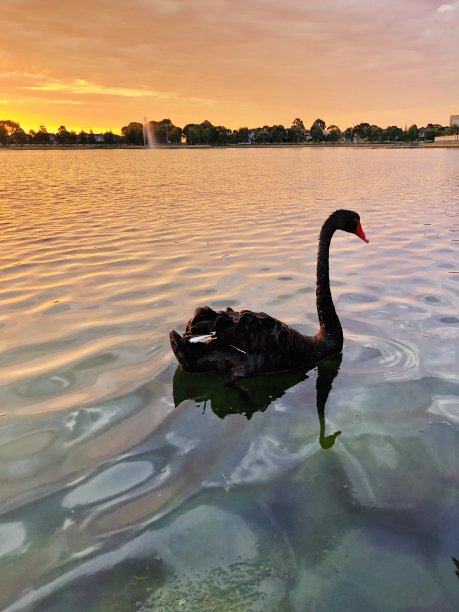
<point x="127" y="483"/>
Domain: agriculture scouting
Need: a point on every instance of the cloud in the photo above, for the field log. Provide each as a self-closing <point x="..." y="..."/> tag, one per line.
<point x="80" y="86"/>
<point x="59" y="101"/>
<point x="448" y="8"/>
<point x="85" y="88"/>
<point x="162" y="7"/>
<point x="22" y="75"/>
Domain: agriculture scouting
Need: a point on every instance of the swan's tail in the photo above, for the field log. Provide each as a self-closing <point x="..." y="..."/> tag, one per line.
<point x="179" y="347"/>
<point x="208" y="344"/>
<point x="194" y="352"/>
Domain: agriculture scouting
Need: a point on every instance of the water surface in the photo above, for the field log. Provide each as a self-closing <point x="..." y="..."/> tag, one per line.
<point x="128" y="484"/>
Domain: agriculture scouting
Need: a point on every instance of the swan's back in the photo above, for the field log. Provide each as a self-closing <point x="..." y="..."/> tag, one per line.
<point x="243" y="343"/>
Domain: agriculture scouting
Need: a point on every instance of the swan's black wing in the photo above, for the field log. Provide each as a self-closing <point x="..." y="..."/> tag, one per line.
<point x="244" y="343"/>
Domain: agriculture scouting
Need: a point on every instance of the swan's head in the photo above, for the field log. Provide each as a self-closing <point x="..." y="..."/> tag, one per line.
<point x="349" y="221"/>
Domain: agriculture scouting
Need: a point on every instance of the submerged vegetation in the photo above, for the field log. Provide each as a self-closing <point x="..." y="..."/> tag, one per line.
<point x="205" y="133"/>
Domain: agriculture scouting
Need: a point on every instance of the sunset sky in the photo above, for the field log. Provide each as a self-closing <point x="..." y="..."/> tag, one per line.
<point x="102" y="63"/>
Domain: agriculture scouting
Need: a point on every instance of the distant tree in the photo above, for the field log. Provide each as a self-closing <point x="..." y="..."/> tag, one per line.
<point x="362" y="131"/>
<point x="223" y="135"/>
<point x="208" y="133"/>
<point x="133" y="133"/>
<point x="349" y="134"/>
<point x="435" y="126"/>
<point x="297" y="131"/>
<point x="317" y="134"/>
<point x="175" y="135"/>
<point x="10" y="126"/>
<point x="14" y="133"/>
<point x="334" y="133"/>
<point x="317" y="130"/>
<point x="277" y="134"/>
<point x="261" y="135"/>
<point x="192" y="134"/>
<point x="109" y="138"/>
<point x="20" y="137"/>
<point x="453" y="129"/>
<point x="162" y="131"/>
<point x="430" y="134"/>
<point x="393" y="134"/>
<point x="42" y="136"/>
<point x="91" y="138"/>
<point x="166" y="132"/>
<point x="83" y="138"/>
<point x="412" y="133"/>
<point x="186" y="133"/>
<point x="116" y="137"/>
<point x="3" y="135"/>
<point x="433" y="130"/>
<point x="375" y="133"/>
<point x="196" y="135"/>
<point x="241" y="135"/>
<point x="298" y="123"/>
<point x="63" y="136"/>
<point x="318" y="123"/>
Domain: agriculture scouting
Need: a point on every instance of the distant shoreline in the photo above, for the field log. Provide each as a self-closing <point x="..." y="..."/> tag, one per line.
<point x="327" y="145"/>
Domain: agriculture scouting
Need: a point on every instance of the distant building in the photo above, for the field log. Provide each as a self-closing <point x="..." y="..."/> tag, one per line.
<point x="454" y="120"/>
<point x="449" y="139"/>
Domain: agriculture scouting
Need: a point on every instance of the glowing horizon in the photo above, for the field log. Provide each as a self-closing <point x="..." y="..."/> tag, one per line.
<point x="101" y="64"/>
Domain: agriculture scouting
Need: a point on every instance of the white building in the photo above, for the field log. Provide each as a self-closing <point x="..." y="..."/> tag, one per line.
<point x="454" y="120"/>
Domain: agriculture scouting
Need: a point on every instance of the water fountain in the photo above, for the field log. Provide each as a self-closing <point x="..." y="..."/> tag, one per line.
<point x="148" y="135"/>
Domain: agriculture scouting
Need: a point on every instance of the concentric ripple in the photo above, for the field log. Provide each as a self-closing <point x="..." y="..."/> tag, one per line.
<point x="382" y="358"/>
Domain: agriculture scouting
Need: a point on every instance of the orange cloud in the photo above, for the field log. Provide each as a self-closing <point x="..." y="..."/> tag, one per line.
<point x="80" y="86"/>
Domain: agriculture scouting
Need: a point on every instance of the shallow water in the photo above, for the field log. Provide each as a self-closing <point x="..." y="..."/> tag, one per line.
<point x="112" y="497"/>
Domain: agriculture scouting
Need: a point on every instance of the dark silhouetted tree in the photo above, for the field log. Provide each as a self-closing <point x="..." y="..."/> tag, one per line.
<point x="334" y="133"/>
<point x="317" y="130"/>
<point x="42" y="136"/>
<point x="133" y="133"/>
<point x="412" y="133"/>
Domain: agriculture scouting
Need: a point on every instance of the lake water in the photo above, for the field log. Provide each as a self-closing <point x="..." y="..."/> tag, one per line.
<point x="126" y="484"/>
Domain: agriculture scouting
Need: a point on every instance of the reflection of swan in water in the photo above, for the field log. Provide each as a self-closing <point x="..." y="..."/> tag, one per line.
<point x="326" y="373"/>
<point x="259" y="392"/>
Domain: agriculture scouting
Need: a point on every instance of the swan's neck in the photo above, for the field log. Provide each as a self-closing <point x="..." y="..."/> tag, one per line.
<point x="328" y="319"/>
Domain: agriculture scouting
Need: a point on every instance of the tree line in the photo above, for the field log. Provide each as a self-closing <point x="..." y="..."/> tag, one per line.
<point x="12" y="133"/>
<point x="164" y="132"/>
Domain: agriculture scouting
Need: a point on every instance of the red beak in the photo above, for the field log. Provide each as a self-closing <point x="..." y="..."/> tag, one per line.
<point x="360" y="233"/>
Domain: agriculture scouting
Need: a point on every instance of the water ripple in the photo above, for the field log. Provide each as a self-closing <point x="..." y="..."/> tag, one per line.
<point x="382" y="358"/>
<point x="104" y="251"/>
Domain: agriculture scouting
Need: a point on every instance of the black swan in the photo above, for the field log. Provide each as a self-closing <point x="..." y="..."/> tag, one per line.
<point x="247" y="343"/>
